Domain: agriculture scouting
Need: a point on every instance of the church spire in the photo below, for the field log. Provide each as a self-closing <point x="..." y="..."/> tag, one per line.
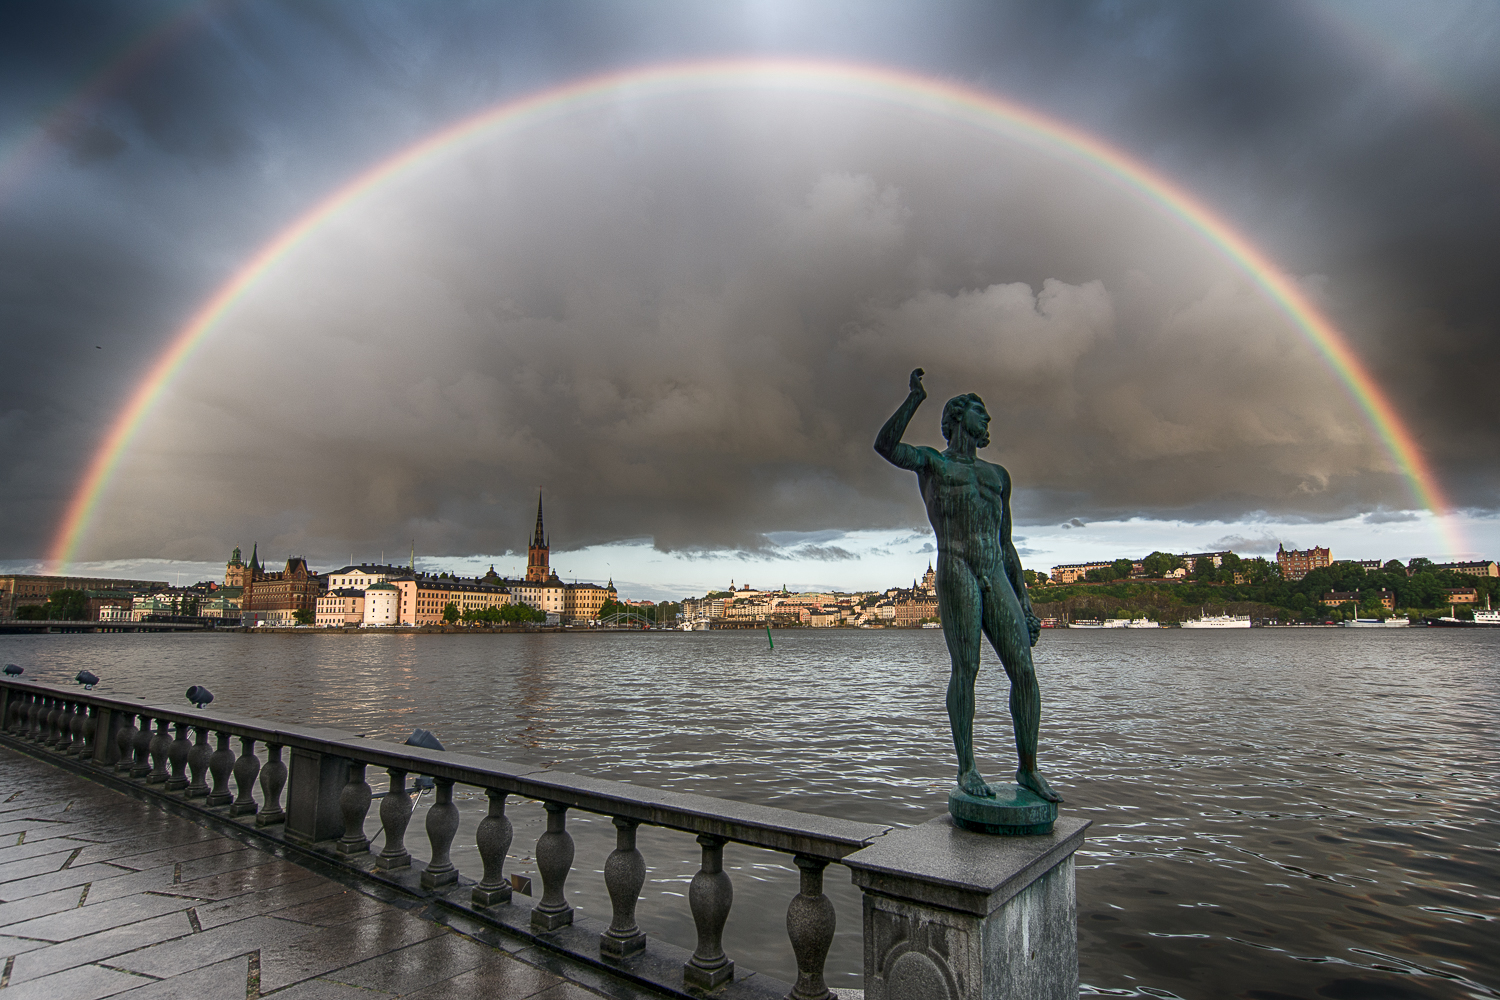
<point x="537" y="567"/>
<point x="538" y="537"/>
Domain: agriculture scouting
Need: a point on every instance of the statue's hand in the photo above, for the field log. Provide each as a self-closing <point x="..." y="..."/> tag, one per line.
<point x="1034" y="626"/>
<point x="916" y="384"/>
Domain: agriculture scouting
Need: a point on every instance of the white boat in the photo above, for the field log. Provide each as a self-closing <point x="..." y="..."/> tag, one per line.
<point x="1117" y="623"/>
<point x="1142" y="623"/>
<point x="1086" y="623"/>
<point x="932" y="625"/>
<point x="1401" y="622"/>
<point x="1219" y="621"/>
<point x="1487" y="617"/>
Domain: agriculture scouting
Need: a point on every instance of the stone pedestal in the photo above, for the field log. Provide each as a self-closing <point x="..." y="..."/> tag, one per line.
<point x="1012" y="811"/>
<point x="950" y="914"/>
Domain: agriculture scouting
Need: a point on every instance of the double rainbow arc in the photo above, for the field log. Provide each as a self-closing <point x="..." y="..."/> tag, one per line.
<point x="946" y="99"/>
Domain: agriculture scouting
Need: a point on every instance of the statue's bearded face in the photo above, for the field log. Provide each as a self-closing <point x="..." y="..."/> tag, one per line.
<point x="977" y="423"/>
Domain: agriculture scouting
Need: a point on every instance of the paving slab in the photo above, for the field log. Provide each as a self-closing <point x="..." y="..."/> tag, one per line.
<point x="105" y="895"/>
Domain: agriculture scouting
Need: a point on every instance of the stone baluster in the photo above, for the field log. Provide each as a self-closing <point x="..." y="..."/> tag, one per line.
<point x="124" y="741"/>
<point x="354" y="803"/>
<point x="50" y="729"/>
<point x="75" y="739"/>
<point x="63" y="741"/>
<point x="493" y="839"/>
<point x="554" y="858"/>
<point x="90" y="731"/>
<point x="395" y="813"/>
<point x="197" y="762"/>
<point x="15" y="711"/>
<point x="442" y="824"/>
<point x="39" y="720"/>
<point x="35" y="718"/>
<point x="177" y="755"/>
<point x="272" y="781"/>
<point x="72" y="735"/>
<point x="710" y="896"/>
<point x="140" y="764"/>
<point x="220" y="764"/>
<point x="75" y="736"/>
<point x="810" y="923"/>
<point x="246" y="770"/>
<point x="160" y="746"/>
<point x="27" y="714"/>
<point x="624" y="875"/>
<point x="62" y="738"/>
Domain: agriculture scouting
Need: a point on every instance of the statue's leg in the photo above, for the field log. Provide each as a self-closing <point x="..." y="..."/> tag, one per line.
<point x="1005" y="627"/>
<point x="959" y="608"/>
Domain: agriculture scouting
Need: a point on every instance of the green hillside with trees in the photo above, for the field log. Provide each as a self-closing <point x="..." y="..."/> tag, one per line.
<point x="1261" y="592"/>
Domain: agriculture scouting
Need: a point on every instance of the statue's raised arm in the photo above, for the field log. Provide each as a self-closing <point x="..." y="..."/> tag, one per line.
<point x="888" y="441"/>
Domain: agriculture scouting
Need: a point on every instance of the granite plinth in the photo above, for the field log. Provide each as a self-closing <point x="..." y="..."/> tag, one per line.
<point x="950" y="914"/>
<point x="1012" y="811"/>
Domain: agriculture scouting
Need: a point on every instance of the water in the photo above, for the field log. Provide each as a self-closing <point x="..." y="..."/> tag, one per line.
<point x="1277" y="813"/>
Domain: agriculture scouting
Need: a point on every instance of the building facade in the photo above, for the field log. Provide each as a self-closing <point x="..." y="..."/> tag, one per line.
<point x="19" y="590"/>
<point x="382" y="604"/>
<point x="423" y="598"/>
<point x="1073" y="572"/>
<point x="342" y="607"/>
<point x="277" y="597"/>
<point x="582" y="601"/>
<point x="1297" y="563"/>
<point x="1485" y="568"/>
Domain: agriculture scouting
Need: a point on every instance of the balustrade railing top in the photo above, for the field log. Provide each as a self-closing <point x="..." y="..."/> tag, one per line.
<point x="762" y="826"/>
<point x="329" y="800"/>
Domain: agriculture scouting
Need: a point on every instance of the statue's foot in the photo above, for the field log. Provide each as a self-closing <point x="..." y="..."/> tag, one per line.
<point x="1034" y="781"/>
<point x="973" y="784"/>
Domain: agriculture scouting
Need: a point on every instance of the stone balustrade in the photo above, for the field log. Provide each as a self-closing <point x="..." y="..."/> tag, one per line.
<point x="188" y="755"/>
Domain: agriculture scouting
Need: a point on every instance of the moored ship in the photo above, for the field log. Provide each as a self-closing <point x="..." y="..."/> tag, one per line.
<point x="1218" y="621"/>
<point x="1401" y="622"/>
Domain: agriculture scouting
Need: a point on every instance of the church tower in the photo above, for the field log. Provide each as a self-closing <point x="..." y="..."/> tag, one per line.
<point x="536" y="554"/>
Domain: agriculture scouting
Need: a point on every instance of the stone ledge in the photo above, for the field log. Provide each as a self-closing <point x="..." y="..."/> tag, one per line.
<point x="941" y="864"/>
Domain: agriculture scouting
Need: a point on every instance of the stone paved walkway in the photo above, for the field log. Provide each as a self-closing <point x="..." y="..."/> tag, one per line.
<point x="102" y="895"/>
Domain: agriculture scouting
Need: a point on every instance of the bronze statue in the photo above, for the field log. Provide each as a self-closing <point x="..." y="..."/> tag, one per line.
<point x="979" y="581"/>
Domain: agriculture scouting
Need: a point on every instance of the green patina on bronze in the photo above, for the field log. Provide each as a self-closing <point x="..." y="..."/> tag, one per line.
<point x="980" y="588"/>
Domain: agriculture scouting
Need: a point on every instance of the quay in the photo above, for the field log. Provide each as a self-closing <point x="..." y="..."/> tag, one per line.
<point x="106" y="895"/>
<point x="152" y="837"/>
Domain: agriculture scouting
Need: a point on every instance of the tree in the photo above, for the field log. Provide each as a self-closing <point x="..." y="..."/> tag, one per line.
<point x="1205" y="570"/>
<point x="31" y="612"/>
<point x="67" y="605"/>
<point x="1159" y="564"/>
<point x="1122" y="568"/>
<point x="450" y="613"/>
<point x="304" y="616"/>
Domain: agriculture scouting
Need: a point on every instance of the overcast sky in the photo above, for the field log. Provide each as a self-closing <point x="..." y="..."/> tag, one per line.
<point x="684" y="317"/>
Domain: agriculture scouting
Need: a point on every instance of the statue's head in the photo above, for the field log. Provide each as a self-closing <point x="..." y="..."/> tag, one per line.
<point x="967" y="411"/>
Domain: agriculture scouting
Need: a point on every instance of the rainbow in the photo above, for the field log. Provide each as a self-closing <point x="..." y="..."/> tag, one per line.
<point x="946" y="99"/>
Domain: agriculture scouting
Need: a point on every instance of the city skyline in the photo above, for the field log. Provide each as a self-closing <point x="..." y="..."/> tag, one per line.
<point x="673" y="264"/>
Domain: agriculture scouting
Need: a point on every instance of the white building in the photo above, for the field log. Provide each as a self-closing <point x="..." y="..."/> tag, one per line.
<point x="382" y="604"/>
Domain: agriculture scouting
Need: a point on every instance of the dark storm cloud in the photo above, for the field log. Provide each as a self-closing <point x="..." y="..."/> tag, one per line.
<point x="660" y="380"/>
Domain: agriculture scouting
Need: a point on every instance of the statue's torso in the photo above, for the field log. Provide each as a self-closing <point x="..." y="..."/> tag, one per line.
<point x="965" y="503"/>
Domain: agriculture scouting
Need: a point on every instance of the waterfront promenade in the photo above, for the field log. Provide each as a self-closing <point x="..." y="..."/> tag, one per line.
<point x="104" y="895"/>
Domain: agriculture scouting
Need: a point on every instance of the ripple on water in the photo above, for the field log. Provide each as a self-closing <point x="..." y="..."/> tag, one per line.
<point x="1278" y="813"/>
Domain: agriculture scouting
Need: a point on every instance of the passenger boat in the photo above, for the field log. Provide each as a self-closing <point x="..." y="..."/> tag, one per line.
<point x="1142" y="623"/>
<point x="1086" y="623"/>
<point x="1401" y="622"/>
<point x="1218" y="621"/>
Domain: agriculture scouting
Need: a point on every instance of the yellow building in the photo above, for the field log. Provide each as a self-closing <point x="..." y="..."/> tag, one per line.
<point x="423" y="598"/>
<point x="345" y="606"/>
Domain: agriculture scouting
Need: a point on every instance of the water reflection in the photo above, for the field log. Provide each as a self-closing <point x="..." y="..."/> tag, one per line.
<point x="1277" y="813"/>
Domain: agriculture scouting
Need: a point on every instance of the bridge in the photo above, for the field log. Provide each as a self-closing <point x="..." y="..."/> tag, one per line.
<point x="11" y="626"/>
